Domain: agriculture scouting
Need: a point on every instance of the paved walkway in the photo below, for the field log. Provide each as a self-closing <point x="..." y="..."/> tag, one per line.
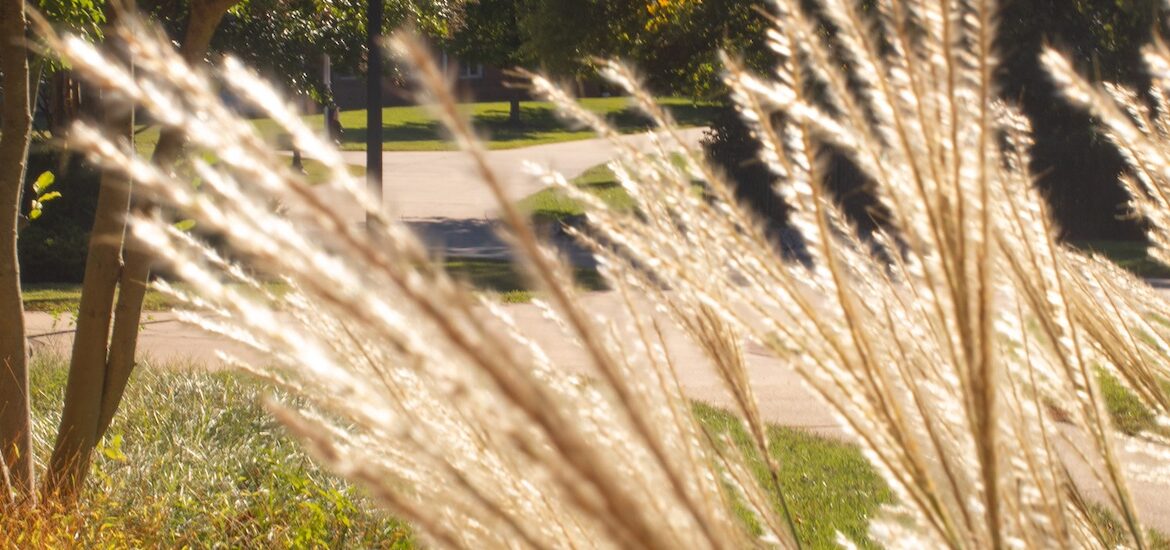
<point x="164" y="340"/>
<point x="442" y="184"/>
<point x="439" y="195"/>
<point x="783" y="397"/>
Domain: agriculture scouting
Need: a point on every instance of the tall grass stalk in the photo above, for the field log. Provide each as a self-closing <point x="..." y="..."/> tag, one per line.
<point x="942" y="342"/>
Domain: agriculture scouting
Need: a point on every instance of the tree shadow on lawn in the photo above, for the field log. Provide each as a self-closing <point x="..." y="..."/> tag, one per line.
<point x="629" y="119"/>
<point x="396" y="132"/>
<point x="537" y="121"/>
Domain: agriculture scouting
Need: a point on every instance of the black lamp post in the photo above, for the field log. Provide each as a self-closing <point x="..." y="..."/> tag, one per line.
<point x="374" y="100"/>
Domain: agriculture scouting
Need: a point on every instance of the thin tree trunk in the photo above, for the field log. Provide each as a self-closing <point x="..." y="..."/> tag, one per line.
<point x="16" y="127"/>
<point x="514" y="111"/>
<point x="77" y="434"/>
<point x="36" y="71"/>
<point x="124" y="340"/>
<point x="103" y="360"/>
<point x="132" y="285"/>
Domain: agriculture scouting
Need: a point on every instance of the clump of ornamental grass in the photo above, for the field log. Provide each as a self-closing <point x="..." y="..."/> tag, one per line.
<point x="193" y="460"/>
<point x="940" y="342"/>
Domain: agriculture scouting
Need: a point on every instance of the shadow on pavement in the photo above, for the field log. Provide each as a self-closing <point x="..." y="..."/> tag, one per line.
<point x="480" y="238"/>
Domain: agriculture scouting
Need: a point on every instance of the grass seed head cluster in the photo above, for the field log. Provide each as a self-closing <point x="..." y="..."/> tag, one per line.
<point x="946" y="343"/>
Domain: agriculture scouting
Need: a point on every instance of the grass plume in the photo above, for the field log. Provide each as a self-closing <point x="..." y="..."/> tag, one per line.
<point x="939" y="342"/>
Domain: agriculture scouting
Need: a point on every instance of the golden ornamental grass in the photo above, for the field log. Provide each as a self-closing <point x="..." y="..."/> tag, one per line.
<point x="942" y="352"/>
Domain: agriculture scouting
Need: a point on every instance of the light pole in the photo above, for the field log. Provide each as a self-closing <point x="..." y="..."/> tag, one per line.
<point x="374" y="101"/>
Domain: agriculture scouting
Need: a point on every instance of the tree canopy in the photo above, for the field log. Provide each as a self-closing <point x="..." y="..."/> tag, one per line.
<point x="674" y="42"/>
<point x="85" y="17"/>
<point x="285" y="39"/>
<point x="489" y="31"/>
<point x="1078" y="169"/>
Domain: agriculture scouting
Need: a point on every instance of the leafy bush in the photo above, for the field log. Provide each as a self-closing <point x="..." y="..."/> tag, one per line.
<point x="53" y="247"/>
<point x="731" y="145"/>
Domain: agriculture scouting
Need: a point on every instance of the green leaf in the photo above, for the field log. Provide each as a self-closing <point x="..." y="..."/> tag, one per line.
<point x="44" y="181"/>
<point x="113" y="450"/>
<point x="34" y="213"/>
<point x="185" y="225"/>
<point x="49" y="196"/>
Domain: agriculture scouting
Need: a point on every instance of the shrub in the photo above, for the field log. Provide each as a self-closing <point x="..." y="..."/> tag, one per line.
<point x="732" y="146"/>
<point x="53" y="247"/>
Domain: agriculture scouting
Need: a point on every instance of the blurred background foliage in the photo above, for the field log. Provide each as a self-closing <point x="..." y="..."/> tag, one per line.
<point x="675" y="44"/>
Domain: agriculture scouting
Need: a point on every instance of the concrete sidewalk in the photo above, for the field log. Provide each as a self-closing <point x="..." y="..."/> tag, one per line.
<point x="783" y="396"/>
<point x="443" y="184"/>
<point x="784" y="400"/>
<point x="439" y="195"/>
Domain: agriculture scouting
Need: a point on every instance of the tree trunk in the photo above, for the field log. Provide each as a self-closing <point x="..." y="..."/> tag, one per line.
<point x="135" y="276"/>
<point x="64" y="100"/>
<point x="15" y="130"/>
<point x="102" y="362"/>
<point x="36" y="72"/>
<point x="124" y="340"/>
<point x="77" y="434"/>
<point x="514" y="111"/>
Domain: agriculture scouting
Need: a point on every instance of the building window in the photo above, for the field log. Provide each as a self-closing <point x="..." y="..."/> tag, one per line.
<point x="471" y="71"/>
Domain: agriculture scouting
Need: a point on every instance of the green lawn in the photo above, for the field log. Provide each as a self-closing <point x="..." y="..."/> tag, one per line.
<point x="550" y="204"/>
<point x="828" y="484"/>
<point x="316" y="172"/>
<point x="1127" y="411"/>
<point x="414" y="129"/>
<point x="146" y="139"/>
<point x="64" y="298"/>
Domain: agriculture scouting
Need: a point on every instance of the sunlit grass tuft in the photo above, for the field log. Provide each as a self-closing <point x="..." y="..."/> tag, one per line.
<point x="194" y="460"/>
